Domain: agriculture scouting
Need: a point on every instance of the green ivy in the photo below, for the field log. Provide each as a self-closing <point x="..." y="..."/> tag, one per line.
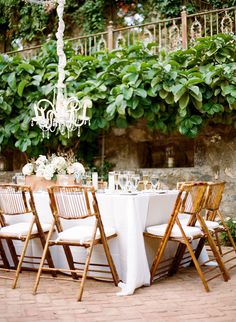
<point x="181" y="91"/>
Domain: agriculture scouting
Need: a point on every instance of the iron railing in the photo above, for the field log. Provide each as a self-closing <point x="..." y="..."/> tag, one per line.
<point x="167" y="34"/>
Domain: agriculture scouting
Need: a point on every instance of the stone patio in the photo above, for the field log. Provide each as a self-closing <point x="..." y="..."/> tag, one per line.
<point x="179" y="298"/>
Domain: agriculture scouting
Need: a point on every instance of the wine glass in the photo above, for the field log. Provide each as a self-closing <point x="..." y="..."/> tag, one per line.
<point x="116" y="180"/>
<point x="134" y="181"/>
<point x="123" y="181"/>
<point x="154" y="181"/>
<point x="145" y="179"/>
<point x="20" y="178"/>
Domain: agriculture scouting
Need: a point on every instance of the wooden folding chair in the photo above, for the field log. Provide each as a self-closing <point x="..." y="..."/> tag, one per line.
<point x="78" y="203"/>
<point x="214" y="220"/>
<point x="189" y="203"/>
<point x="17" y="201"/>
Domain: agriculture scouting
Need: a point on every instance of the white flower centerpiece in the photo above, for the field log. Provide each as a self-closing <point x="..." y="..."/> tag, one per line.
<point x="51" y="169"/>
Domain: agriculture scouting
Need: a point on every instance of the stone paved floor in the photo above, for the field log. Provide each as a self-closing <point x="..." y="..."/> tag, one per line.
<point x="179" y="298"/>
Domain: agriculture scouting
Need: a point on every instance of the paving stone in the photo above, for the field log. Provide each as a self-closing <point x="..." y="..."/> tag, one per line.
<point x="179" y="298"/>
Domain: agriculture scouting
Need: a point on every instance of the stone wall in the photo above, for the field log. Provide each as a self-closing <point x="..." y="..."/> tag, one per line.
<point x="211" y="157"/>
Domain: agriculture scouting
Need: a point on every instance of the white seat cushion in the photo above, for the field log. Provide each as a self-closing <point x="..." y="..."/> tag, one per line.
<point x="83" y="234"/>
<point x="160" y="230"/>
<point x="21" y="229"/>
<point x="209" y="224"/>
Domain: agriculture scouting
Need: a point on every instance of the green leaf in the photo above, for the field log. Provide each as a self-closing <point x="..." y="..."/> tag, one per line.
<point x="128" y="92"/>
<point x="196" y="119"/>
<point x="21" y="86"/>
<point x="184" y="100"/>
<point x="119" y="99"/>
<point x="179" y="93"/>
<point x="121" y="123"/>
<point x="137" y="113"/>
<point x="27" y="67"/>
<point x="163" y="94"/>
<point x="170" y="99"/>
<point x="12" y="81"/>
<point x="140" y="92"/>
<point x="194" y="89"/>
<point x="111" y="108"/>
<point x="156" y="80"/>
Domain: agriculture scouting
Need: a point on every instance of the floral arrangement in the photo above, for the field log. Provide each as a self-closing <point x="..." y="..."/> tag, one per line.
<point x="50" y="167"/>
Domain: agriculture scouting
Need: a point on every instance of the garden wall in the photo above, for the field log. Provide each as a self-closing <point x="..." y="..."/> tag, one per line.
<point x="209" y="157"/>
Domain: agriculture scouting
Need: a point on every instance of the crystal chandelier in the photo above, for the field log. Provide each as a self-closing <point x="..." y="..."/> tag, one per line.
<point x="64" y="113"/>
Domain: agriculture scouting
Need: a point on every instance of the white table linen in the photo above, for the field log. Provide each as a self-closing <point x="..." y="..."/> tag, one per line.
<point x="129" y="214"/>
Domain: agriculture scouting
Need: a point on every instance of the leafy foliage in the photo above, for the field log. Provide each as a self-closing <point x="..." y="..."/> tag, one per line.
<point x="231" y="224"/>
<point x="181" y="91"/>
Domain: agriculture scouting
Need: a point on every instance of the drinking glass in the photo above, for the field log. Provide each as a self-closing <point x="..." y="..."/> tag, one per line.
<point x="88" y="178"/>
<point x="134" y="181"/>
<point x="154" y="181"/>
<point x="78" y="177"/>
<point x="116" y="180"/>
<point x="123" y="181"/>
<point x="20" y="178"/>
<point x="145" y="179"/>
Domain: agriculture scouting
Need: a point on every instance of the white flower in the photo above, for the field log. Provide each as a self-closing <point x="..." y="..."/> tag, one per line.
<point x="40" y="171"/>
<point x="50" y="167"/>
<point x="41" y="159"/>
<point x="59" y="163"/>
<point x="70" y="169"/>
<point x="78" y="167"/>
<point x="28" y="169"/>
<point x="49" y="171"/>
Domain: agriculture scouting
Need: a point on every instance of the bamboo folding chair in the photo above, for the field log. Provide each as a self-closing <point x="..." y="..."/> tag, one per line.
<point x="17" y="201"/>
<point x="78" y="203"/>
<point x="214" y="220"/>
<point x="189" y="203"/>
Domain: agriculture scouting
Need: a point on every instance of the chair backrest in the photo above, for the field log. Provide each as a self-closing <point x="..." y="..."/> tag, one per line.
<point x="214" y="195"/>
<point x="193" y="197"/>
<point x="73" y="202"/>
<point x="213" y="199"/>
<point x="15" y="199"/>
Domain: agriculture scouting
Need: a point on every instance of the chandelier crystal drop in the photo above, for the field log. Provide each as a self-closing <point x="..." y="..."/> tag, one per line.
<point x="64" y="113"/>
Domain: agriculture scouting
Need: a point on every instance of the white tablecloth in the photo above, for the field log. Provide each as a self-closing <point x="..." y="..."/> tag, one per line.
<point x="129" y="214"/>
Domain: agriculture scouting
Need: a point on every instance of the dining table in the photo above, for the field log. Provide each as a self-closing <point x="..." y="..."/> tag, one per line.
<point x="129" y="214"/>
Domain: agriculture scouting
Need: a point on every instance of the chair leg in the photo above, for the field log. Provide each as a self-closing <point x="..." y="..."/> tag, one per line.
<point x="22" y="258"/>
<point x="218" y="258"/>
<point x="111" y="264"/>
<point x="86" y="266"/>
<point x="12" y="250"/>
<point x="48" y="256"/>
<point x="4" y="257"/>
<point x="198" y="268"/>
<point x="70" y="261"/>
<point x="218" y="243"/>
<point x="177" y="259"/>
<point x="108" y="255"/>
<point x="42" y="259"/>
<point x="157" y="258"/>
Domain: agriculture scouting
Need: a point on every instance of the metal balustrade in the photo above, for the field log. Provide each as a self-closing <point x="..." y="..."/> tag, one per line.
<point x="167" y="34"/>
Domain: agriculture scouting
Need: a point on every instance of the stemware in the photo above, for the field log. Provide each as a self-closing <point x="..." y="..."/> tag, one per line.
<point x="146" y="178"/>
<point x="123" y="181"/>
<point x="134" y="181"/>
<point x="20" y="178"/>
<point x="116" y="180"/>
<point x="154" y="181"/>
